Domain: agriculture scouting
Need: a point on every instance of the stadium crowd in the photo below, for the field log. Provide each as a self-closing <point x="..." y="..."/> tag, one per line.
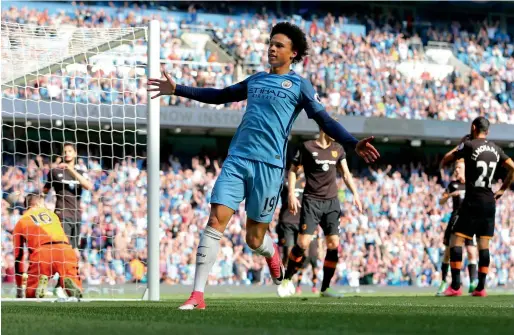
<point x="354" y="75"/>
<point x="396" y="241"/>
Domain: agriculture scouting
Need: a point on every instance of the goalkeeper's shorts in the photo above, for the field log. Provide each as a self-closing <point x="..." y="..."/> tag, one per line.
<point x="49" y="259"/>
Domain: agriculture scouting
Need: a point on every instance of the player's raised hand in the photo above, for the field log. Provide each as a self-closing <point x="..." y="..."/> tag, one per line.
<point x="366" y="150"/>
<point x="163" y="86"/>
<point x="294" y="204"/>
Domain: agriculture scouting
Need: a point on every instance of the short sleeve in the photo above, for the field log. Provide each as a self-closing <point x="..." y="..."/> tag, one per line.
<point x="462" y="149"/>
<point x="342" y="156"/>
<point x="503" y="155"/>
<point x="310" y="100"/>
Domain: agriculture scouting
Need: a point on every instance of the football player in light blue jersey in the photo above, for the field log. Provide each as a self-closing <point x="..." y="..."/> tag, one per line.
<point x="254" y="168"/>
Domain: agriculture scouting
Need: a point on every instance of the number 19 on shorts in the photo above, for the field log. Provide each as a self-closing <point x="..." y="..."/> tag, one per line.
<point x="269" y="205"/>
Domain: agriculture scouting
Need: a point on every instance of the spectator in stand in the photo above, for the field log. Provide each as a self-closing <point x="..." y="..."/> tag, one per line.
<point x="354" y="75"/>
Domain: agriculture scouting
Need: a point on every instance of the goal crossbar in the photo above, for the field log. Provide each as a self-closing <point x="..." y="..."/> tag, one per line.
<point x="25" y="78"/>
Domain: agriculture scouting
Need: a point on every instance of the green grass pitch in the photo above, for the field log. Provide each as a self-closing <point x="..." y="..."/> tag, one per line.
<point x="267" y="314"/>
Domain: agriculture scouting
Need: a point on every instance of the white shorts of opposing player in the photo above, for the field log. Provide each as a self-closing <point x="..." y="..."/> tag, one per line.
<point x="286" y="288"/>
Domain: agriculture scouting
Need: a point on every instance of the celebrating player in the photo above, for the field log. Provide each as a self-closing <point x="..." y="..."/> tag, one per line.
<point x="477" y="212"/>
<point x="320" y="160"/>
<point x="49" y="251"/>
<point x="68" y="180"/>
<point x="456" y="190"/>
<point x="254" y="167"/>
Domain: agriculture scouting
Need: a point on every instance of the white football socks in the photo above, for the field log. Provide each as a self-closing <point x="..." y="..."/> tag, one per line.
<point x="206" y="256"/>
<point x="266" y="249"/>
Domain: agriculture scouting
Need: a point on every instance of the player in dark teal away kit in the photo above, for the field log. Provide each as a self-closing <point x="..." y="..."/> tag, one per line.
<point x="254" y="168"/>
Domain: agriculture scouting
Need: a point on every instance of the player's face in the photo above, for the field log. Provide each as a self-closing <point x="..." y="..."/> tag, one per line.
<point x="69" y="153"/>
<point x="280" y="51"/>
<point x="327" y="138"/>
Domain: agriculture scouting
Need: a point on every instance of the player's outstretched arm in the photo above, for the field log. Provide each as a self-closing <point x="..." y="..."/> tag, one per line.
<point x="168" y="86"/>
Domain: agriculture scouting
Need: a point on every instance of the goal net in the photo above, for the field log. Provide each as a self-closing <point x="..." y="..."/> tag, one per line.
<point x="87" y="87"/>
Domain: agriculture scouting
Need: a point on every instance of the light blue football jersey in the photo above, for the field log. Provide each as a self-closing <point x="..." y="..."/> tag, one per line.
<point x="273" y="104"/>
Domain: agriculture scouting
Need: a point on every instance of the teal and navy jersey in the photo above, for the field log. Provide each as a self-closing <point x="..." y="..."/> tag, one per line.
<point x="274" y="103"/>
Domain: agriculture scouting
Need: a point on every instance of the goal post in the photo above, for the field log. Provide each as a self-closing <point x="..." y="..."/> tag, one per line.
<point x="87" y="86"/>
<point x="153" y="117"/>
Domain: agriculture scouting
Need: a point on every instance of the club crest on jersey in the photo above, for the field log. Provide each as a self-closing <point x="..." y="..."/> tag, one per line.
<point x="334" y="153"/>
<point x="287" y="84"/>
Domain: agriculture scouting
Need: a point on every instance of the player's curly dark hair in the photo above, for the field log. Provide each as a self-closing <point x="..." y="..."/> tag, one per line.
<point x="296" y="35"/>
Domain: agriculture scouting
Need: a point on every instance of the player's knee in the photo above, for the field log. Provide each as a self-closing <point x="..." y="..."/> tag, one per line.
<point x="471" y="251"/>
<point x="215" y="223"/>
<point x="219" y="217"/>
<point x="304" y="241"/>
<point x="456" y="241"/>
<point x="483" y="243"/>
<point x="254" y="241"/>
<point x="333" y="242"/>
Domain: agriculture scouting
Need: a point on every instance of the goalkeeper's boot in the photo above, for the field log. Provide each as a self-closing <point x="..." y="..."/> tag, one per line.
<point x="286" y="288"/>
<point x="473" y="285"/>
<point x="442" y="288"/>
<point x="450" y="292"/>
<point x="71" y="287"/>
<point x="41" y="286"/>
<point x="195" y="301"/>
<point x="276" y="268"/>
<point x="330" y="293"/>
<point x="479" y="293"/>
